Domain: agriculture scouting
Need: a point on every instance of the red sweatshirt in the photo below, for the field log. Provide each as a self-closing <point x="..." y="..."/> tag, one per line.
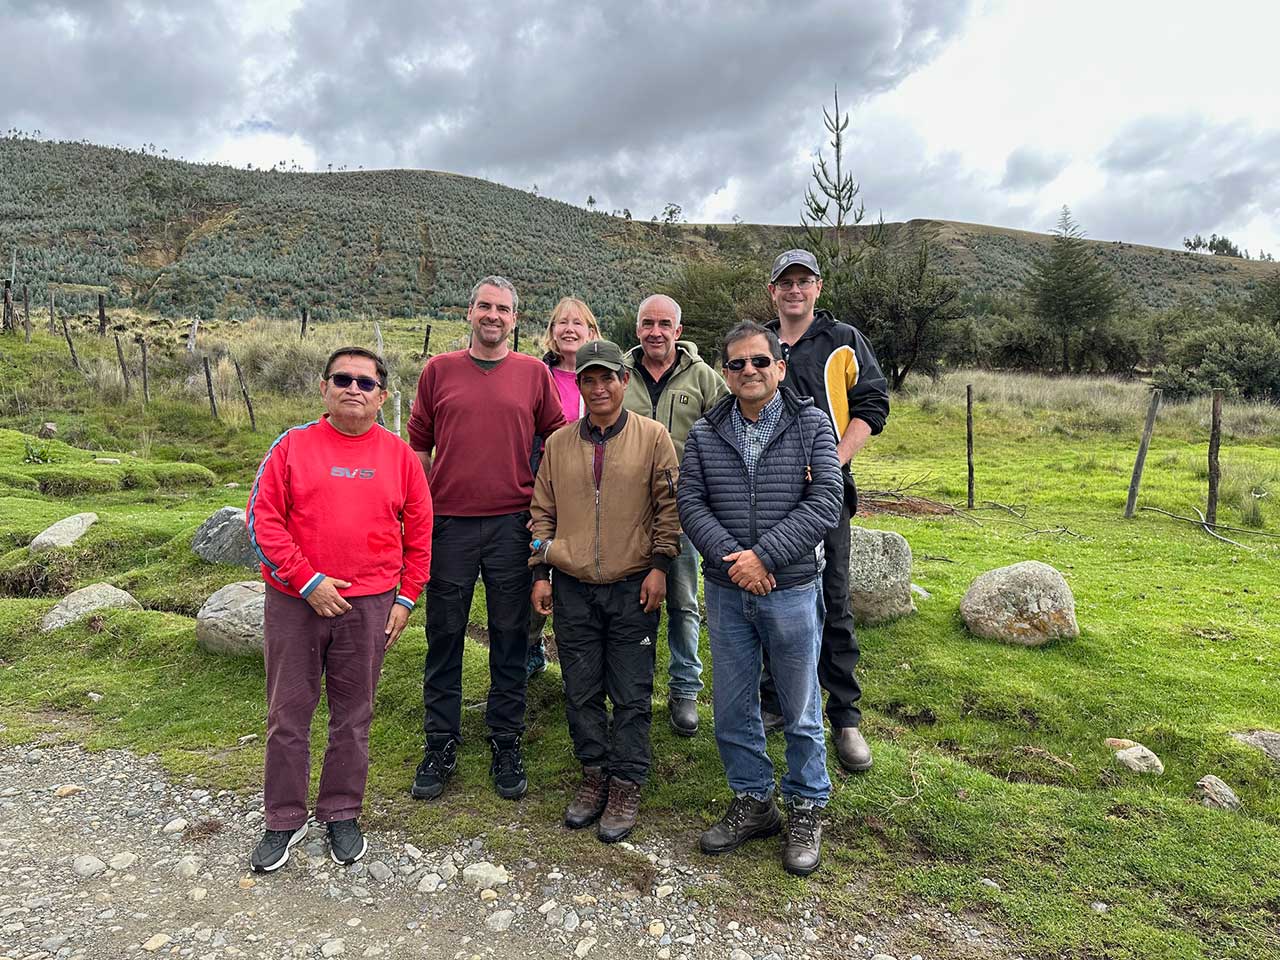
<point x="352" y="508"/>
<point x="481" y="425"/>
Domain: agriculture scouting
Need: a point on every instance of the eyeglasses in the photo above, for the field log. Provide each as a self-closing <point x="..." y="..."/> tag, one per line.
<point x="344" y="380"/>
<point x="804" y="283"/>
<point x="740" y="364"/>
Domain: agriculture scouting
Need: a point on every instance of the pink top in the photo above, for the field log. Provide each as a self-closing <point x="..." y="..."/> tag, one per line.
<point x="570" y="397"/>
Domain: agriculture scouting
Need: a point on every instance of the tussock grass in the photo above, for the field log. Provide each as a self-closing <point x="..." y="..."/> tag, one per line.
<point x="1083" y="404"/>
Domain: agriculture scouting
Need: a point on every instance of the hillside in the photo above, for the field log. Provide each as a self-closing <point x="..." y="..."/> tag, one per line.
<point x="186" y="239"/>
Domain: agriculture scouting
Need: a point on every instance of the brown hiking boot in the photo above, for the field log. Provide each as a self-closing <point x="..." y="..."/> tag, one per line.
<point x="802" y="844"/>
<point x="619" y="817"/>
<point x="588" y="803"/>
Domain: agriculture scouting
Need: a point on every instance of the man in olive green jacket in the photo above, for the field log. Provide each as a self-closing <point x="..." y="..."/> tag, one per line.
<point x="671" y="384"/>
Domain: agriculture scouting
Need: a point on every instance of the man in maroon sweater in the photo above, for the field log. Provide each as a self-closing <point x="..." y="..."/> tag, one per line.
<point x="473" y="423"/>
<point x="340" y="517"/>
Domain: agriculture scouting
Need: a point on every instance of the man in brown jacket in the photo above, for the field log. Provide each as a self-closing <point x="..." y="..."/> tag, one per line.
<point x="604" y="515"/>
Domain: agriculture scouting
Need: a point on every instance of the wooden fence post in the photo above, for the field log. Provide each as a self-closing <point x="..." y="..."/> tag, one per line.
<point x="303" y="334"/>
<point x="66" y="332"/>
<point x="124" y="371"/>
<point x="26" y="314"/>
<point x="968" y="404"/>
<point x="53" y="328"/>
<point x="102" y="315"/>
<point x="377" y="335"/>
<point x="426" y="341"/>
<point x="1215" y="440"/>
<point x="208" y="382"/>
<point x="1132" y="503"/>
<point x="6" y="318"/>
<point x="146" y="381"/>
<point x="395" y="398"/>
<point x="191" y="337"/>
<point x="515" y="345"/>
<point x="244" y="391"/>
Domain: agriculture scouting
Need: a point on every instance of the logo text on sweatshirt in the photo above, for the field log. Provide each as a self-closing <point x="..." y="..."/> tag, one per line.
<point x="352" y="473"/>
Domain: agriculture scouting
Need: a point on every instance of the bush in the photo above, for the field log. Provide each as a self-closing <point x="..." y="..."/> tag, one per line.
<point x="1239" y="357"/>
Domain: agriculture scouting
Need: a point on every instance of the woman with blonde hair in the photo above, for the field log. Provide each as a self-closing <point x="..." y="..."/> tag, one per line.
<point x="572" y="324"/>
<point x="570" y="327"/>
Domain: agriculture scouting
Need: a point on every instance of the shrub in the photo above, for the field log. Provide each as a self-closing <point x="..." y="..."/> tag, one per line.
<point x="1239" y="357"/>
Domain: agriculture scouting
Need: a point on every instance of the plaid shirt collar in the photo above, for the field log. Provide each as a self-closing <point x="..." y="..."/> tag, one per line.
<point x="753" y="437"/>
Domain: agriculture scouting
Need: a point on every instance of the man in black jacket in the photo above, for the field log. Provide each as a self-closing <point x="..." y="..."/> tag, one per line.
<point x="760" y="487"/>
<point x="832" y="363"/>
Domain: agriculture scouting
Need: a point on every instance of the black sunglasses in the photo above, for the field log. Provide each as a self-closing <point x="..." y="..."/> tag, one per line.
<point x="344" y="380"/>
<point x="740" y="364"/>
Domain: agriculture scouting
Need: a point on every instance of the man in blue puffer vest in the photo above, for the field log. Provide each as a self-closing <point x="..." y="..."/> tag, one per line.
<point x="760" y="486"/>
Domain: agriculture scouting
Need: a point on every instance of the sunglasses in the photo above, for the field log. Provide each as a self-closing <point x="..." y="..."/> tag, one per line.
<point x="740" y="364"/>
<point x="344" y="380"/>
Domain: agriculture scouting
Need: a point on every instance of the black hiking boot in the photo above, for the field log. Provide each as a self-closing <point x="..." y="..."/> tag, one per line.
<point x="437" y="766"/>
<point x="507" y="768"/>
<point x="746" y="819"/>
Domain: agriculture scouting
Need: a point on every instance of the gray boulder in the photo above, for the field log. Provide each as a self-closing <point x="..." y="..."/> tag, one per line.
<point x="1213" y="793"/>
<point x="1028" y="604"/>
<point x="48" y="430"/>
<point x="879" y="576"/>
<point x="63" y="533"/>
<point x="223" y="539"/>
<point x="230" y="622"/>
<point x="86" y="600"/>
<point x="1267" y="741"/>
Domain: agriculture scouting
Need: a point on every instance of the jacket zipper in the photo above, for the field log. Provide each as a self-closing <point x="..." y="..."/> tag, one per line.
<point x="599" y="575"/>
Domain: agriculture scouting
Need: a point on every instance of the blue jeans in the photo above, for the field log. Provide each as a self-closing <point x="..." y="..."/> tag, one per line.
<point x="788" y="623"/>
<point x="684" y="669"/>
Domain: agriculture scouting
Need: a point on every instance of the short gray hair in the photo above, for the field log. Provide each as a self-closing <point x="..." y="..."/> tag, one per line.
<point x="658" y="296"/>
<point x="502" y="283"/>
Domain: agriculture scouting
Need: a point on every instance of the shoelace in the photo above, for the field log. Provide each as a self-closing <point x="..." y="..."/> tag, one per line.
<point x="436" y="761"/>
<point x="508" y="760"/>
<point x="737" y="812"/>
<point x="623" y="802"/>
<point x="801" y="826"/>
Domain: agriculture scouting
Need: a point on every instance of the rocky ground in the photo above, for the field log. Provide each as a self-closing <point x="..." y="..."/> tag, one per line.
<point x="103" y="855"/>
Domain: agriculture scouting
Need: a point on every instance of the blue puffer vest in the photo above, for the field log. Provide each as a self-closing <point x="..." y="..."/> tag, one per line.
<point x="784" y="514"/>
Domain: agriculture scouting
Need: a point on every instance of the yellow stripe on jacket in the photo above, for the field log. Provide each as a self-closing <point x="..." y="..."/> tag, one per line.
<point x="840" y="375"/>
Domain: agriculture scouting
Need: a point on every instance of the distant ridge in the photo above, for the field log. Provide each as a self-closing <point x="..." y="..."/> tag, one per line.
<point x="200" y="239"/>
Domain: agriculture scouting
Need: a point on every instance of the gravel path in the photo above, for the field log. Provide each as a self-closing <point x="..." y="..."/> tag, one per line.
<point x="103" y="855"/>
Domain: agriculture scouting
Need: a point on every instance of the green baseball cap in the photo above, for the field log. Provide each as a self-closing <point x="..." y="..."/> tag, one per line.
<point x="600" y="353"/>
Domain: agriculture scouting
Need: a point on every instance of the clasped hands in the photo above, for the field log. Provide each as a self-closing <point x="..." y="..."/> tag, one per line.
<point x="328" y="602"/>
<point x="748" y="573"/>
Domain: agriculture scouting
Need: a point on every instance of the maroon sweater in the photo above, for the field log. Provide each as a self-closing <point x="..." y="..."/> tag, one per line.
<point x="480" y="425"/>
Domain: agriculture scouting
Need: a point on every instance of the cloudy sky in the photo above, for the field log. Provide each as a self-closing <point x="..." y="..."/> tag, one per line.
<point x="1152" y="120"/>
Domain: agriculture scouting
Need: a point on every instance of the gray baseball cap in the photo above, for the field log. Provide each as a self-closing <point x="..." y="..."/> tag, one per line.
<point x="600" y="353"/>
<point x="792" y="257"/>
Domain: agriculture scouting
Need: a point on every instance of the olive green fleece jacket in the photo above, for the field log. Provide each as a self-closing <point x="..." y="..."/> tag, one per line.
<point x="694" y="388"/>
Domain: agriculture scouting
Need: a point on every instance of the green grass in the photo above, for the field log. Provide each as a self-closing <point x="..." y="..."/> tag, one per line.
<point x="990" y="759"/>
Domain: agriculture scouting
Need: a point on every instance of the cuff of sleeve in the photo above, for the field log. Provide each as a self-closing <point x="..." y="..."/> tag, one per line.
<point x="310" y="585"/>
<point x="660" y="561"/>
<point x="766" y="559"/>
<point x="404" y="601"/>
<point x="542" y="572"/>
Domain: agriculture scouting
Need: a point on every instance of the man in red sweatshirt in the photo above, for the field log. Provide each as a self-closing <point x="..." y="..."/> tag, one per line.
<point x="473" y="424"/>
<point x="340" y="517"/>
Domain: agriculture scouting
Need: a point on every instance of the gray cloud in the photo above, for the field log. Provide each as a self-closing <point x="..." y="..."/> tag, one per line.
<point x="1028" y="168"/>
<point x="151" y="70"/>
<point x="1169" y="177"/>
<point x="634" y="103"/>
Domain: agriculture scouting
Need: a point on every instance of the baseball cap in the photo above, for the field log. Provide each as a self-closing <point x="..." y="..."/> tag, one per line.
<point x="600" y="353"/>
<point x="792" y="257"/>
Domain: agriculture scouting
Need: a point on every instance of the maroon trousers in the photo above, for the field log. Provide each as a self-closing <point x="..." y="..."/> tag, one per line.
<point x="347" y="650"/>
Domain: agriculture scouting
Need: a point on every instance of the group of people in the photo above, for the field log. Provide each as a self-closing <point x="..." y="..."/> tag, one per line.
<point x="582" y="487"/>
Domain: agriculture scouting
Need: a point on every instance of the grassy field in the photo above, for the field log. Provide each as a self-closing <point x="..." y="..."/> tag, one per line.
<point x="990" y="760"/>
